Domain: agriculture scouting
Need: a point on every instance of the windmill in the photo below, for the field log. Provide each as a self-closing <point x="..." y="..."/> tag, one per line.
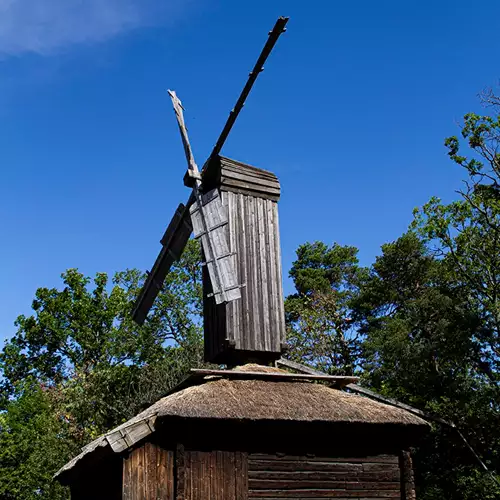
<point x="232" y="210"/>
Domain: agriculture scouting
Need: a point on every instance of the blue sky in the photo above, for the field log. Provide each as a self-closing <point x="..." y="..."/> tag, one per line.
<point x="351" y="113"/>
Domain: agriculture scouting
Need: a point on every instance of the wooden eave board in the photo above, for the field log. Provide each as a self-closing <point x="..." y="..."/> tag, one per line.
<point x="337" y="381"/>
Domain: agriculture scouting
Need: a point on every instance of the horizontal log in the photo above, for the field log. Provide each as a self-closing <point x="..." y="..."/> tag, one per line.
<point x="285" y="484"/>
<point x="385" y="459"/>
<point x="271" y="465"/>
<point x="379" y="467"/>
<point x="314" y="493"/>
<point x="320" y="498"/>
<point x="327" y="475"/>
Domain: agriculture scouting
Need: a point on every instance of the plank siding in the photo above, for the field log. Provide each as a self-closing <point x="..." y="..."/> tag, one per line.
<point x="148" y="474"/>
<point x="255" y="323"/>
<point x="215" y="475"/>
<point x="276" y="477"/>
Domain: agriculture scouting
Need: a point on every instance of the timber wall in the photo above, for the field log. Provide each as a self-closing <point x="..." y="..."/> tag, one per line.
<point x="150" y="472"/>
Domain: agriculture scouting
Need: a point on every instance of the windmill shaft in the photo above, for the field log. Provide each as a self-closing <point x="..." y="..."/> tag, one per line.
<point x="274" y="34"/>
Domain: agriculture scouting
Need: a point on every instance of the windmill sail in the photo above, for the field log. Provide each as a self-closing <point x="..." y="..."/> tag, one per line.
<point x="210" y="225"/>
<point x="174" y="241"/>
<point x="209" y="220"/>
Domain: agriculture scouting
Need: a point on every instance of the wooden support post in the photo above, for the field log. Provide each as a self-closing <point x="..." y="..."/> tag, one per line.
<point x="407" y="478"/>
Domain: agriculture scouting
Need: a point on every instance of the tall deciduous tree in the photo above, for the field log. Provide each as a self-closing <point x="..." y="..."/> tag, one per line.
<point x="32" y="446"/>
<point x="90" y="366"/>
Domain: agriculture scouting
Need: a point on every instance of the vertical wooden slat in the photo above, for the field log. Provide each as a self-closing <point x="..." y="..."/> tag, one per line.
<point x="242" y="256"/>
<point x="204" y="475"/>
<point x="151" y="478"/>
<point x="180" y="472"/>
<point x="254" y="338"/>
<point x="274" y="318"/>
<point x="230" y="464"/>
<point x="227" y="202"/>
<point x="214" y="490"/>
<point x="164" y="474"/>
<point x="279" y="276"/>
<point x="127" y="479"/>
<point x="240" y="476"/>
<point x="220" y="474"/>
<point x="263" y="277"/>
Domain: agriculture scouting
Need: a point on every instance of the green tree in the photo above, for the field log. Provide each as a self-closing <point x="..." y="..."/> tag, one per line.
<point x="99" y="368"/>
<point x="466" y="233"/>
<point x="32" y="446"/>
<point x="320" y="330"/>
<point x="423" y="346"/>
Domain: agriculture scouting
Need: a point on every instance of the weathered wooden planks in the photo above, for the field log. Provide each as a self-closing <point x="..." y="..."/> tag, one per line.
<point x="255" y="324"/>
<point x="209" y="218"/>
<point x="148" y="474"/>
<point x="215" y="475"/>
<point x="232" y="175"/>
<point x="273" y="477"/>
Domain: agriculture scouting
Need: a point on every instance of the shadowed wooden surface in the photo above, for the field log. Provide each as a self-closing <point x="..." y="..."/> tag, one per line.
<point x="253" y="327"/>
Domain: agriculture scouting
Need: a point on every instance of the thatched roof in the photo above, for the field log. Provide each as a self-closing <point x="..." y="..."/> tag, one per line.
<point x="263" y="400"/>
<point x="249" y="399"/>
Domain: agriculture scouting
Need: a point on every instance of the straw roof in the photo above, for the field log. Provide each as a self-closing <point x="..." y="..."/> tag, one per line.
<point x="250" y="399"/>
<point x="292" y="401"/>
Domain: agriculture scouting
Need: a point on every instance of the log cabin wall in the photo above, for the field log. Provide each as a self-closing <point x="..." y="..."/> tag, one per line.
<point x="150" y="472"/>
<point x="253" y="327"/>
<point x="293" y="477"/>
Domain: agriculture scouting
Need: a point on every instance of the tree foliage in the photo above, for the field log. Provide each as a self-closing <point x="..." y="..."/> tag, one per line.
<point x="33" y="446"/>
<point x="423" y="347"/>
<point x="320" y="330"/>
<point x="90" y="366"/>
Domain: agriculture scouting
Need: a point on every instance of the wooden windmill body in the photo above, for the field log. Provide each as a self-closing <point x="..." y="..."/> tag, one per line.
<point x="233" y="211"/>
<point x="253" y="327"/>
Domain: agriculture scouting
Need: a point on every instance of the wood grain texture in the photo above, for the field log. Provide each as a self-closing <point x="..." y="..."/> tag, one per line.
<point x="210" y="218"/>
<point x="252" y="327"/>
<point x="148" y="474"/>
<point x="216" y="475"/>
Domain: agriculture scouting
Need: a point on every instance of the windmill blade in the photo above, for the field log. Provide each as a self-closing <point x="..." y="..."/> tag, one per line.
<point x="273" y="36"/>
<point x="209" y="217"/>
<point x="174" y="241"/>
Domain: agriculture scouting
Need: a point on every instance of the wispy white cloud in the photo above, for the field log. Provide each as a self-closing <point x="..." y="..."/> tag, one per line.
<point x="45" y="26"/>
